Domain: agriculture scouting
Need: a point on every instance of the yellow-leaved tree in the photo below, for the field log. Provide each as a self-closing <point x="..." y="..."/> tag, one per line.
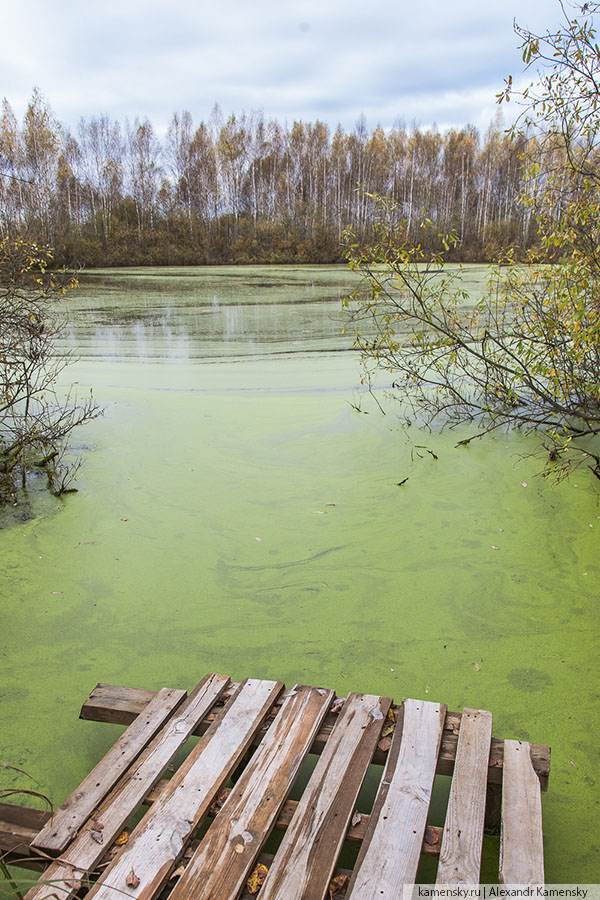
<point x="527" y="354"/>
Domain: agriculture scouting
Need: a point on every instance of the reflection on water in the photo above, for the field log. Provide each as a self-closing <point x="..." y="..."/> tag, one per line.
<point x="208" y="313"/>
<point x="216" y="312"/>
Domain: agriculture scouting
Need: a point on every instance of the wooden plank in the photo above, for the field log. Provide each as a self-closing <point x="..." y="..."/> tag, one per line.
<point x="19" y="826"/>
<point x="306" y="858"/>
<point x="115" y="703"/>
<point x="460" y="856"/>
<point x="91" y="843"/>
<point x="521" y="838"/>
<point x="68" y="818"/>
<point x="224" y="859"/>
<point x="112" y="704"/>
<point x="389" y="855"/>
<point x="159" y="840"/>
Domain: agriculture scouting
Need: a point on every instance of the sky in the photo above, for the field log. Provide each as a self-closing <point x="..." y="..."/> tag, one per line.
<point x="420" y="61"/>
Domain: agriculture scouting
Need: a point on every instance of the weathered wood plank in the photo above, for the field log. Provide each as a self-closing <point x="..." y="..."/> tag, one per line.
<point x="460" y="856"/>
<point x="92" y="841"/>
<point x="115" y="703"/>
<point x="521" y="838"/>
<point x="389" y="855"/>
<point x="110" y="703"/>
<point x="222" y="862"/>
<point x="19" y="826"/>
<point x="306" y="858"/>
<point x="162" y="835"/>
<point x="68" y="818"/>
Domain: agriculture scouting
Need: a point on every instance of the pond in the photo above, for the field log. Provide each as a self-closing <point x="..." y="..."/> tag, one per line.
<point x="237" y="514"/>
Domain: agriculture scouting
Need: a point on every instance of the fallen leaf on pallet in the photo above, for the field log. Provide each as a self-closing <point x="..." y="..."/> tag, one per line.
<point x="338" y="705"/>
<point x="96" y="836"/>
<point x="132" y="880"/>
<point x="122" y="839"/>
<point x="356" y="819"/>
<point x="431" y="837"/>
<point x="177" y="873"/>
<point x="389" y="724"/>
<point x="97" y="824"/>
<point x="385" y="744"/>
<point x="218" y="802"/>
<point x="255" y="882"/>
<point x="338" y="885"/>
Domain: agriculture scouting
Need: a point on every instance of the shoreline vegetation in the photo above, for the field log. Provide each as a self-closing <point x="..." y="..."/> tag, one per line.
<point x="243" y="189"/>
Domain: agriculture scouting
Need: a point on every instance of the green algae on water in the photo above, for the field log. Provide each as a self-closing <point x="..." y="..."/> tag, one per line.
<point x="236" y="514"/>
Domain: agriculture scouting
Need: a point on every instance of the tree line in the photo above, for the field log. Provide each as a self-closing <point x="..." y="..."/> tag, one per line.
<point x="244" y="189"/>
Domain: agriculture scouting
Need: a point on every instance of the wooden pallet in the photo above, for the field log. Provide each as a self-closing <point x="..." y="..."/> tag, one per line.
<point x="237" y="779"/>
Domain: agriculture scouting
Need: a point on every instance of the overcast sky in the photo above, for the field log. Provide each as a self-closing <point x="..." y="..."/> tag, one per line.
<point x="427" y="61"/>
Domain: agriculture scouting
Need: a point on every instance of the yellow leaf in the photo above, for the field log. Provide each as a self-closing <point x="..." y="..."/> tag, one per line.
<point x="122" y="839"/>
<point x="338" y="885"/>
<point x="389" y="724"/>
<point x="255" y="882"/>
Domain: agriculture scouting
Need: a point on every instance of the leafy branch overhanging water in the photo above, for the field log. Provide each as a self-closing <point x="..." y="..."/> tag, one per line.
<point x="528" y="353"/>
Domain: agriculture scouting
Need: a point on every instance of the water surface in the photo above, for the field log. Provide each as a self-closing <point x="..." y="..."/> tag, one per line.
<point x="237" y="514"/>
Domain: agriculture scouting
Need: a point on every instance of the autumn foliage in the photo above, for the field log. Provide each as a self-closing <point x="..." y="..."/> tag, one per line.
<point x="243" y="189"/>
<point x="527" y="354"/>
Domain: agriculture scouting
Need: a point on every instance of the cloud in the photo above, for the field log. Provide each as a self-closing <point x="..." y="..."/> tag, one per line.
<point x="300" y="59"/>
